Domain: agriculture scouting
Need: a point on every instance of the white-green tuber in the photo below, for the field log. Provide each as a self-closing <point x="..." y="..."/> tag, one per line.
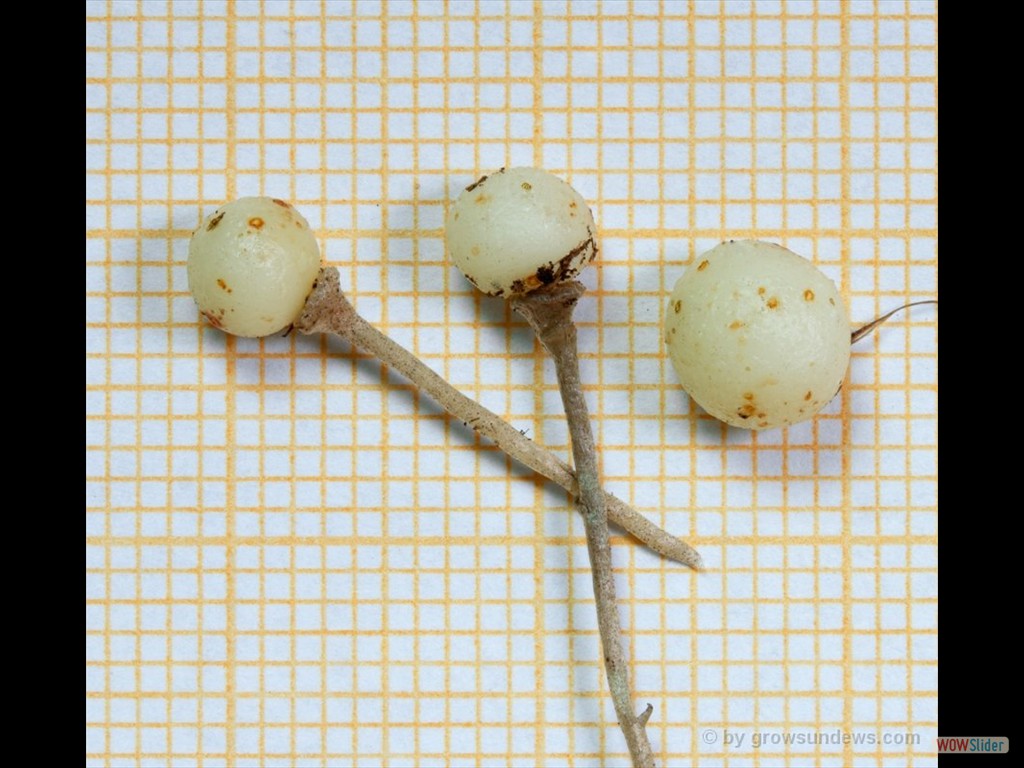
<point x="758" y="336"/>
<point x="251" y="265"/>
<point x="519" y="229"/>
<point x="525" y="234"/>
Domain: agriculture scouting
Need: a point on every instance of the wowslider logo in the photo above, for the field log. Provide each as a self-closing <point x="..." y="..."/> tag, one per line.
<point x="978" y="745"/>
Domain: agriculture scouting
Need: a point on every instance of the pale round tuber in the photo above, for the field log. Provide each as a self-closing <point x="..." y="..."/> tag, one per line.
<point x="519" y="229"/>
<point x="758" y="336"/>
<point x="251" y="265"/>
<point x="525" y="234"/>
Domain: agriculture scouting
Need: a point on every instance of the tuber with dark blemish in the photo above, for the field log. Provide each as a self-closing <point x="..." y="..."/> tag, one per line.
<point x="529" y="233"/>
<point x="756" y="322"/>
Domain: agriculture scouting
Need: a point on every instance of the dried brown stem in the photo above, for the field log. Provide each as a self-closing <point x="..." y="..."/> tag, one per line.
<point x="328" y="311"/>
<point x="864" y="330"/>
<point x="549" y="312"/>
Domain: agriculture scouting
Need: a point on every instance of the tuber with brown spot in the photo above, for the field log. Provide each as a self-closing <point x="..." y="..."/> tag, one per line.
<point x="759" y="322"/>
<point x="247" y="278"/>
<point x="529" y="239"/>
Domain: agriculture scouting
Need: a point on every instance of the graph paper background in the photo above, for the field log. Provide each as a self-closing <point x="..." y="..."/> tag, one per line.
<point x="294" y="560"/>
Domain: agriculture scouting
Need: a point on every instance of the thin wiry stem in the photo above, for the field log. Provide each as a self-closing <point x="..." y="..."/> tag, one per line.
<point x="864" y="330"/>
<point x="328" y="311"/>
<point x="549" y="313"/>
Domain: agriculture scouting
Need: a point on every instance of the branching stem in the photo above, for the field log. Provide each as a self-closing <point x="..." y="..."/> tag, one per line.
<point x="549" y="312"/>
<point x="327" y="310"/>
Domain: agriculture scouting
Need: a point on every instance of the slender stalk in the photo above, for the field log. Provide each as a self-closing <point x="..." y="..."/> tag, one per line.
<point x="867" y="328"/>
<point x="327" y="310"/>
<point x="549" y="312"/>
